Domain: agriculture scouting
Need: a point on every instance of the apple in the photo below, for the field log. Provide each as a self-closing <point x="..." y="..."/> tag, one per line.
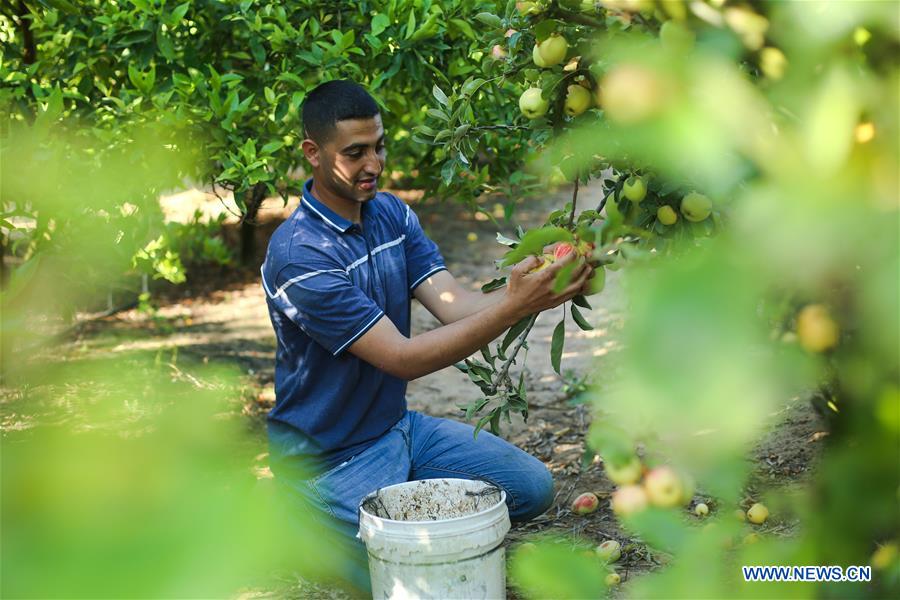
<point x="532" y="104"/>
<point x="816" y="330"/>
<point x="740" y="515"/>
<point x="630" y="93"/>
<point x="674" y="8"/>
<point x="772" y="62"/>
<point x="526" y="547"/>
<point x="884" y="556"/>
<point x="664" y="487"/>
<point x="701" y="510"/>
<point x="666" y="215"/>
<point x="751" y="538"/>
<point x="537" y="58"/>
<point x="612" y="579"/>
<point x="529" y="8"/>
<point x="563" y="249"/>
<point x="758" y="514"/>
<point x="585" y="504"/>
<point x="553" y="50"/>
<point x="546" y="260"/>
<point x="609" y="551"/>
<point x="676" y="38"/>
<point x="624" y="474"/>
<point x="497" y="52"/>
<point x="696" y="207"/>
<point x="629" y="500"/>
<point x="578" y="100"/>
<point x="635" y="189"/>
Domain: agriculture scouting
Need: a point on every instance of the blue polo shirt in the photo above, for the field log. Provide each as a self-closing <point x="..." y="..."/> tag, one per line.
<point x="327" y="282"/>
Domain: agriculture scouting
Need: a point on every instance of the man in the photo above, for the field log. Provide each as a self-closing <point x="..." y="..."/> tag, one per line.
<point x="339" y="275"/>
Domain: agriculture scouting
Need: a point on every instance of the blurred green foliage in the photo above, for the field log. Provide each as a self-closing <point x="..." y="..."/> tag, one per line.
<point x="800" y="161"/>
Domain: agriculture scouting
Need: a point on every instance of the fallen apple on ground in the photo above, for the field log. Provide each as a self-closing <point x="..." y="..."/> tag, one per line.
<point x="701" y="510"/>
<point x="758" y="514"/>
<point x="613" y="579"/>
<point x="585" y="504"/>
<point x="609" y="551"/>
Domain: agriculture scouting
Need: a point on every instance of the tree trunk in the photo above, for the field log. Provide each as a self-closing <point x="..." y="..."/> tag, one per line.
<point x="30" y="53"/>
<point x="252" y="201"/>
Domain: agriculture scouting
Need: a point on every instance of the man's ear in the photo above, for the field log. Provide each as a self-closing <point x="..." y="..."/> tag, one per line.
<point x="311" y="152"/>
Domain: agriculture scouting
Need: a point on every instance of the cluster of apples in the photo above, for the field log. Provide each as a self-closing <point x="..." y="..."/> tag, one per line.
<point x="546" y="54"/>
<point x="640" y="487"/>
<point x="694" y="206"/>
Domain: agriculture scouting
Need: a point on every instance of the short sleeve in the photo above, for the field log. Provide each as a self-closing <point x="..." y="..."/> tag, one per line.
<point x="423" y="259"/>
<point x="323" y="301"/>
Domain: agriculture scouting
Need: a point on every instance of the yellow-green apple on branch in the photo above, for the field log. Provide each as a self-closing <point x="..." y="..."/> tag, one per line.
<point x="634" y="189"/>
<point x="553" y="49"/>
<point x="666" y="215"/>
<point x="696" y="207"/>
<point x="532" y="104"/>
<point x="578" y="100"/>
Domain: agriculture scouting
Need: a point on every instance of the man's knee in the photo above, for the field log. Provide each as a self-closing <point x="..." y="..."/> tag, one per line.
<point x="535" y="494"/>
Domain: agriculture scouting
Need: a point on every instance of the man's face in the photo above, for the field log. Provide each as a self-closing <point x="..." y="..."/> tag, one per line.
<point x="350" y="161"/>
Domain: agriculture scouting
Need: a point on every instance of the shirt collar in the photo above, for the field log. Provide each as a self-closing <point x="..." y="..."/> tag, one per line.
<point x="333" y="219"/>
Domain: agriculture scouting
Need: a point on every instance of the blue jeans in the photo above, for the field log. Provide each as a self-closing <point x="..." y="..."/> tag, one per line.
<point x="420" y="447"/>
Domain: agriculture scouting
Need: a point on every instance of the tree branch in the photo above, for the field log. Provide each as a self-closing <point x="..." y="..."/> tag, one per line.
<point x="503" y="374"/>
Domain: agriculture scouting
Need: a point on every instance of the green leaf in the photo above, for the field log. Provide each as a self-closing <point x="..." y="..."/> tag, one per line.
<point x="581" y="301"/>
<point x="564" y="277"/>
<point x="493" y="284"/>
<point x="481" y="423"/>
<point x="534" y="241"/>
<point x="489" y="19"/>
<point x="178" y="14"/>
<point x="410" y="24"/>
<point x="486" y="354"/>
<point x="471" y="86"/>
<point x="440" y="96"/>
<point x="556" y="344"/>
<point x="447" y="171"/>
<point x="379" y="23"/>
<point x="271" y="147"/>
<point x="580" y="320"/>
<point x="514" y="332"/>
<point x="437" y="114"/>
<point x="465" y="28"/>
<point x="505" y="240"/>
<point x="165" y="45"/>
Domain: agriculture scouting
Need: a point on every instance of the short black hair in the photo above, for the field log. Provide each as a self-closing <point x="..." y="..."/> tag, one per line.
<point x="334" y="101"/>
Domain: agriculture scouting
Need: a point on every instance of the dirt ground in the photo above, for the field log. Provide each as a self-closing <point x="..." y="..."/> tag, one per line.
<point x="222" y="316"/>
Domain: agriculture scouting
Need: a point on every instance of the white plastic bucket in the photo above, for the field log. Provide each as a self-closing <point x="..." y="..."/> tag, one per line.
<point x="436" y="538"/>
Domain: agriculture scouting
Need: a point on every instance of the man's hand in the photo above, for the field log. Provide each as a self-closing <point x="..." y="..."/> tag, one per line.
<point x="529" y="293"/>
<point x="592" y="264"/>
